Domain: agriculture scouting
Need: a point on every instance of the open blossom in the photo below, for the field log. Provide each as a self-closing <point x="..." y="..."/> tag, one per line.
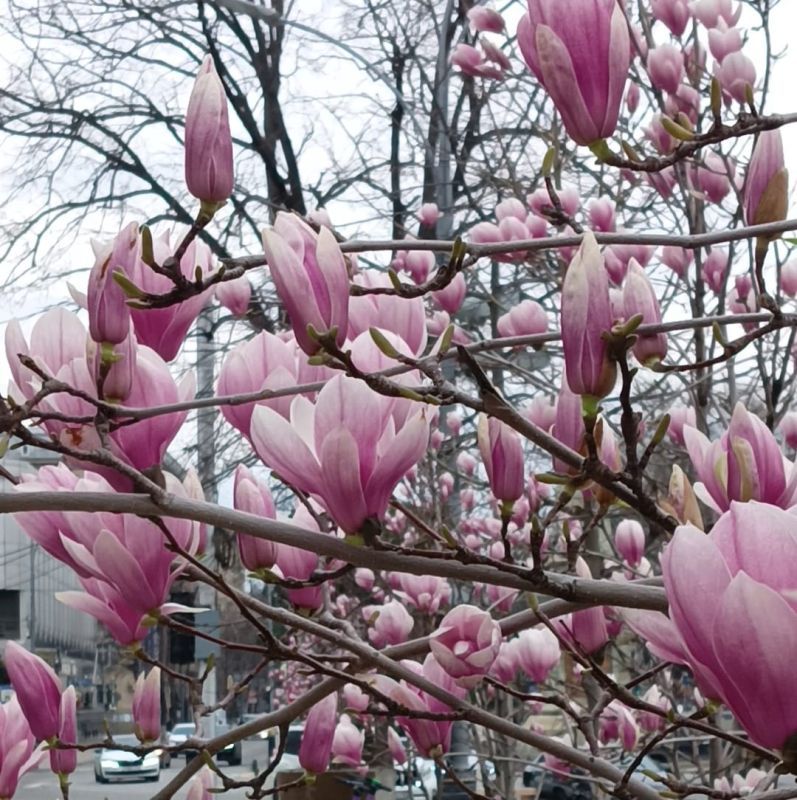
<point x="348" y="432"/>
<point x="311" y="279"/>
<point x="164" y="329"/>
<point x="617" y="723"/>
<point x="390" y="623"/>
<point x="741" y="639"/>
<point x="429" y="736"/>
<point x="745" y="463"/>
<point x="466" y="643"/>
<point x="580" y="51"/>
<point x="424" y="592"/>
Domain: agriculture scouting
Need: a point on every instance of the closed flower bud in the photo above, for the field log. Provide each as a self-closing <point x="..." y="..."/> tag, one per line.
<point x="147" y="706"/>
<point x="566" y="44"/>
<point x="315" y="749"/>
<point x="208" y="143"/>
<point x="586" y="315"/>
<point x="502" y="455"/>
<point x="38" y="690"/>
<point x="629" y="539"/>
<point x="766" y="187"/>
<point x="639" y="298"/>
<point x="109" y="314"/>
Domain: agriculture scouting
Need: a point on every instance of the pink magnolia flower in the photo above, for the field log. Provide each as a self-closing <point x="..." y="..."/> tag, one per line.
<point x="253" y="496"/>
<point x="677" y="259"/>
<point x="347" y="743"/>
<point x="766" y="190"/>
<point x="428" y="214"/>
<point x="466" y="643"/>
<point x="788" y="427"/>
<point x="632" y="97"/>
<point x="485" y="20"/>
<point x="540" y="411"/>
<point x="450" y="298"/>
<point x="235" y="295"/>
<point x="617" y="723"/>
<point x="403" y="316"/>
<point x="502" y="454"/>
<point x="311" y="279"/>
<point x="741" y="639"/>
<point x="742" y="785"/>
<point x="208" y="142"/>
<point x="147" y="706"/>
<point x="38" y="690"/>
<point x="424" y="592"/>
<point x="710" y="12"/>
<point x="568" y="425"/>
<point x="390" y="623"/>
<point x="63" y="761"/>
<point x="315" y="749"/>
<point x="293" y="562"/>
<point x="526" y="318"/>
<point x="18" y="751"/>
<point x="472" y="62"/>
<point x="601" y="213"/>
<point x="200" y="786"/>
<point x="666" y="67"/>
<point x="673" y="13"/>
<point x="355" y="698"/>
<point x="640" y="298"/>
<point x="724" y="40"/>
<point x="680" y="416"/>
<point x="715" y="268"/>
<point x="788" y="278"/>
<point x="736" y="75"/>
<point x="648" y="721"/>
<point x="430" y="737"/>
<point x="629" y="539"/>
<point x="585" y="315"/>
<point x="505" y="666"/>
<point x="109" y="314"/>
<point x="349" y="432"/>
<point x="537" y="652"/>
<point x="540" y="200"/>
<point x="744" y="464"/>
<point x="264" y="362"/>
<point x="580" y="51"/>
<point x="713" y="179"/>
<point x="586" y="630"/>
<point x="397" y="751"/>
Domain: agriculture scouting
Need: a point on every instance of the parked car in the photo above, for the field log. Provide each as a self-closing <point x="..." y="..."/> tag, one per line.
<point x="264" y="734"/>
<point x="111" y="763"/>
<point x="415" y="779"/>
<point x="232" y="753"/>
<point x="290" y="757"/>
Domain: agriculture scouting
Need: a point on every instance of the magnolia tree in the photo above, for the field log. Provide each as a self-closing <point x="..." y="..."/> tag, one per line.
<point x="500" y="526"/>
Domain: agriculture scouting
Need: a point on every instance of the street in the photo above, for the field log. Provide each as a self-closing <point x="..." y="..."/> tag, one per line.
<point x="41" y="784"/>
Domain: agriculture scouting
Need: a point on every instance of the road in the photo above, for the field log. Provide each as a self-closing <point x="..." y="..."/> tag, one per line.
<point x="41" y="784"/>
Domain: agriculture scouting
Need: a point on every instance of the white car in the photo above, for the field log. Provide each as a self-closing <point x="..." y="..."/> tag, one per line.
<point x="290" y="757"/>
<point x="111" y="763"/>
